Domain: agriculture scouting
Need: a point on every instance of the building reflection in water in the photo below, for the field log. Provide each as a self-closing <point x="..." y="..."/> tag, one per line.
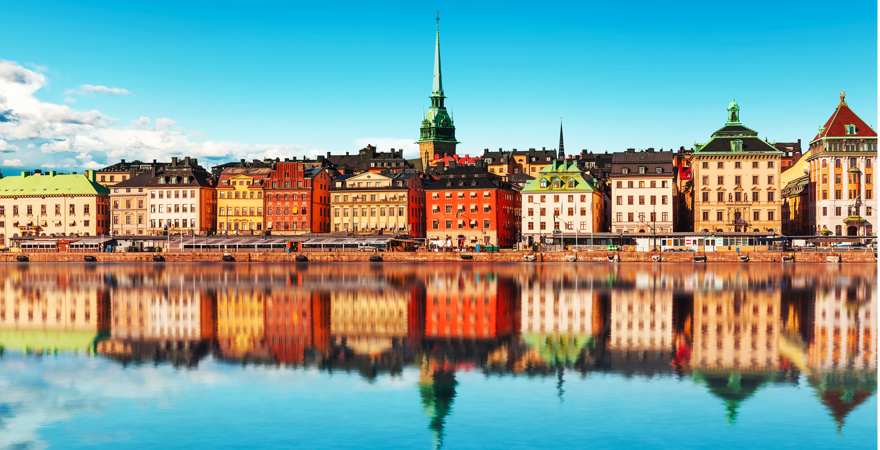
<point x="731" y="328"/>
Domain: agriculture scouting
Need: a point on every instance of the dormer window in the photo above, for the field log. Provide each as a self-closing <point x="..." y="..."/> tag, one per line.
<point x="544" y="183"/>
<point x="625" y="171"/>
<point x="659" y="170"/>
<point x="850" y="129"/>
<point x="642" y="170"/>
<point x="736" y="145"/>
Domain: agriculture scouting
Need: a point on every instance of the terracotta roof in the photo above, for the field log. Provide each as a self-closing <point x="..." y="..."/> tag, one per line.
<point x="842" y="116"/>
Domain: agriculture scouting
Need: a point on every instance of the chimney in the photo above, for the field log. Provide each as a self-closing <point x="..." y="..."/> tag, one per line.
<point x="173" y="160"/>
<point x="123" y="160"/>
<point x="90" y="174"/>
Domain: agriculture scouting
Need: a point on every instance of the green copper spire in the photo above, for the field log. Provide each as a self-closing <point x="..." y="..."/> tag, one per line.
<point x="437" y="89"/>
<point x="437" y="126"/>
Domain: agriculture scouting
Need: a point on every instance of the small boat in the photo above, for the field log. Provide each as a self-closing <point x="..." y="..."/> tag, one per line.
<point x="375" y="258"/>
<point x="700" y="259"/>
<point x="227" y="257"/>
<point x="788" y="258"/>
<point x="530" y="257"/>
<point x="301" y="259"/>
<point x="467" y="257"/>
<point x="571" y="257"/>
<point x="22" y="258"/>
<point x="158" y="258"/>
<point x="832" y="258"/>
<point x="743" y="258"/>
<point x="656" y="258"/>
<point x="90" y="258"/>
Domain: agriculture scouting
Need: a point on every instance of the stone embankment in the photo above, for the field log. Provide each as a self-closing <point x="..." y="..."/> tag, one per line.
<point x="504" y="256"/>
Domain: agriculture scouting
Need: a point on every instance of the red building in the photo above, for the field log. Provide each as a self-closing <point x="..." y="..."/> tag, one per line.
<point x="296" y="199"/>
<point x="468" y="205"/>
<point x="295" y="323"/>
<point x="470" y="305"/>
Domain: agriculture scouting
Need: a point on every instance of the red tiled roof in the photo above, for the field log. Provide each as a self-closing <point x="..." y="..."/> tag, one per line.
<point x="836" y="124"/>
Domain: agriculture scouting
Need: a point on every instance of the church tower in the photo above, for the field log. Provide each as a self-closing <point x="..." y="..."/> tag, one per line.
<point x="437" y="133"/>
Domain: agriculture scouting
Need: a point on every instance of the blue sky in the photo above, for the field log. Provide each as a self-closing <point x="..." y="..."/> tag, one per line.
<point x="234" y="79"/>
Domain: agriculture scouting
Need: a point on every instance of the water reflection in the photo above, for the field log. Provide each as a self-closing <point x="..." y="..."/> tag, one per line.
<point x="733" y="329"/>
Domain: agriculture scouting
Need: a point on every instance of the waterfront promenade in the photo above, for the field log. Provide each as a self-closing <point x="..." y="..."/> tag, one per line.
<point x="848" y="256"/>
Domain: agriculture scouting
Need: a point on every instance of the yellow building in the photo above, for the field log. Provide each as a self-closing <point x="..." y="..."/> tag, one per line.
<point x="240" y="200"/>
<point x="737" y="181"/>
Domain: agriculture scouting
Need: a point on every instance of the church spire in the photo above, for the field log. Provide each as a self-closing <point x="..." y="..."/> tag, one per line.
<point x="561" y="155"/>
<point x="437" y="88"/>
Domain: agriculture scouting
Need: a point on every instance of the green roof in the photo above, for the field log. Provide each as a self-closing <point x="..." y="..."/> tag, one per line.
<point x="50" y="184"/>
<point x="48" y="341"/>
<point x="558" y="177"/>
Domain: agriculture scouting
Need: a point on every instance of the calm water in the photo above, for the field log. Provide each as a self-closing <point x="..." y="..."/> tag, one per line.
<point x="453" y="356"/>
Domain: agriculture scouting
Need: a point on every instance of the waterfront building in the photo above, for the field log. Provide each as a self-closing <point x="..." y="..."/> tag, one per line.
<point x="175" y="197"/>
<point x="561" y="201"/>
<point x="643" y="192"/>
<point x="266" y="163"/>
<point x="297" y="199"/>
<point x="842" y="159"/>
<point x="467" y="205"/>
<point x="737" y="181"/>
<point x="52" y="204"/>
<point x="437" y="131"/>
<point x="123" y="170"/>
<point x="378" y="203"/>
<point x="684" y="180"/>
<point x="240" y="200"/>
<point x="507" y="163"/>
<point x="797" y="200"/>
<point x="791" y="153"/>
<point x="368" y="159"/>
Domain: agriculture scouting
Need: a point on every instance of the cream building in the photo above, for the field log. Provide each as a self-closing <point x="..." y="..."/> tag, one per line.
<point x="643" y="192"/>
<point x="555" y="308"/>
<point x="737" y="186"/>
<point x="641" y="320"/>
<point x="378" y="203"/>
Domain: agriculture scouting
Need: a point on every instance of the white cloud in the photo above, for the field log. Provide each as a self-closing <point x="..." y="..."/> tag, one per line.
<point x="64" y="137"/>
<point x="12" y="162"/>
<point x="101" y="89"/>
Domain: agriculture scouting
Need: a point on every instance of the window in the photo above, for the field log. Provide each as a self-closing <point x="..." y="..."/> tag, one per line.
<point x="629" y="217"/>
<point x="705" y="179"/>
<point x="756" y="215"/>
<point x="705" y="215"/>
<point x="754" y="164"/>
<point x="824" y="211"/>
<point x="720" y="164"/>
<point x="705" y="197"/>
<point x="719" y="216"/>
<point x="737" y="180"/>
<point x="771" y="196"/>
<point x="755" y="196"/>
<point x="642" y="170"/>
<point x="619" y="199"/>
<point x="720" y="197"/>
<point x="770" y="179"/>
<point x="619" y="217"/>
<point x="837" y="211"/>
<point x="720" y="179"/>
<point x="737" y="165"/>
<point x="771" y="164"/>
<point x="850" y="129"/>
<point x="771" y="215"/>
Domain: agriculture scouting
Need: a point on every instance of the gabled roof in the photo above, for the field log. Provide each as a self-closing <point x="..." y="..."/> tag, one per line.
<point x="842" y="116"/>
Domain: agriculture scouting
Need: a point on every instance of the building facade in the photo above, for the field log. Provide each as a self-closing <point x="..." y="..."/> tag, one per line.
<point x="52" y="204"/>
<point x="378" y="203"/>
<point x="561" y="202"/>
<point x="240" y="200"/>
<point x="175" y="197"/>
<point x="123" y="170"/>
<point x="643" y="192"/>
<point x="737" y="181"/>
<point x="467" y="205"/>
<point x="297" y="199"/>
<point x="842" y="159"/>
